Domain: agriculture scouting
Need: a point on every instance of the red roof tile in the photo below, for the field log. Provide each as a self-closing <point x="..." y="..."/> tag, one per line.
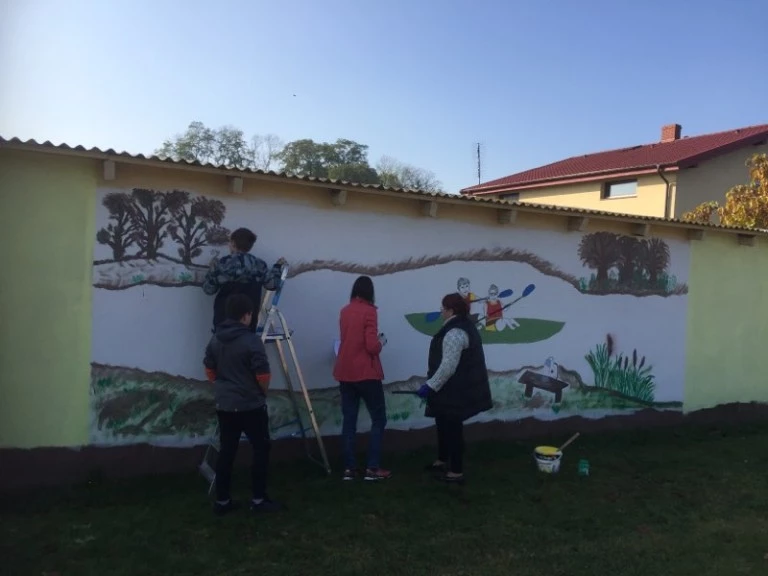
<point x="677" y="153"/>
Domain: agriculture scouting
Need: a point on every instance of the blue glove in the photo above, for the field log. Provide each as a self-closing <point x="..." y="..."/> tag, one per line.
<point x="424" y="391"/>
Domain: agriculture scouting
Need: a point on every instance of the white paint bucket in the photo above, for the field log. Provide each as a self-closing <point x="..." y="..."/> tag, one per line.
<point x="548" y="459"/>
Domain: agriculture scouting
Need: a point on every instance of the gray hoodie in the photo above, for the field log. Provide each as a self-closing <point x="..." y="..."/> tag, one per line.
<point x="237" y="355"/>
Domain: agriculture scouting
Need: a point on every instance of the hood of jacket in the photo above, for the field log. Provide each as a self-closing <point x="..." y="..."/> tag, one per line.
<point x="230" y="330"/>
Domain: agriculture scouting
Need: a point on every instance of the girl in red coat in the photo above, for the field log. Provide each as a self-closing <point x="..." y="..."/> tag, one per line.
<point x="359" y="373"/>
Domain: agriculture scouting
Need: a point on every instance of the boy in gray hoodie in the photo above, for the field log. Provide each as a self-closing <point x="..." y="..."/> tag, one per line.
<point x="237" y="365"/>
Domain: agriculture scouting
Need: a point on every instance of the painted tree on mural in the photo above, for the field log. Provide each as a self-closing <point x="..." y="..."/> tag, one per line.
<point x="152" y="213"/>
<point x="145" y="219"/>
<point x="119" y="234"/>
<point x="600" y="251"/>
<point x="197" y="224"/>
<point x="641" y="264"/>
<point x="746" y="205"/>
<point x="630" y="251"/>
<point x="655" y="258"/>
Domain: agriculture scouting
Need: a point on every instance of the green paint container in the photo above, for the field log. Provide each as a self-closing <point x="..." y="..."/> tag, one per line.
<point x="583" y="468"/>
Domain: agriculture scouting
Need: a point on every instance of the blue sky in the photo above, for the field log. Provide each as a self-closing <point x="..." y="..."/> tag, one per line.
<point x="534" y="81"/>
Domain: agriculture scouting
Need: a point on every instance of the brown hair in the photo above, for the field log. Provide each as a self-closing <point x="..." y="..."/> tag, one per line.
<point x="243" y="239"/>
<point x="456" y="303"/>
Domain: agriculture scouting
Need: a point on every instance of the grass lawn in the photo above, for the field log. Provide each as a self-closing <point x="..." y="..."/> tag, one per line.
<point x="691" y="501"/>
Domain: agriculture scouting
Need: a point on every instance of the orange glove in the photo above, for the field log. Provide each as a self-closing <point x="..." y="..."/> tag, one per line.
<point x="263" y="381"/>
<point x="211" y="374"/>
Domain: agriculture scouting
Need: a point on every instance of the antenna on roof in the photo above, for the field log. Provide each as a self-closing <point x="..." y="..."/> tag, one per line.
<point x="479" y="165"/>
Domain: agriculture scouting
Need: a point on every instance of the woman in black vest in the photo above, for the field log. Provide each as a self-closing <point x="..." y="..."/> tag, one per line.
<point x="457" y="387"/>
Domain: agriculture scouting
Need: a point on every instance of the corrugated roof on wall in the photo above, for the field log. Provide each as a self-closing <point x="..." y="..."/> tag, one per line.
<point x="101" y="154"/>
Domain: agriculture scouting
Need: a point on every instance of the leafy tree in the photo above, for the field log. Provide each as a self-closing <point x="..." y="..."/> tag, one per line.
<point x="198" y="143"/>
<point x="343" y="159"/>
<point x="306" y="158"/>
<point x="196" y="224"/>
<point x="225" y="146"/>
<point x="119" y="234"/>
<point x="360" y="172"/>
<point x="746" y="205"/>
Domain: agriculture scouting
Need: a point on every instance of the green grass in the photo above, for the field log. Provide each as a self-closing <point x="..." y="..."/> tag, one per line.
<point x="529" y="330"/>
<point x="674" y="502"/>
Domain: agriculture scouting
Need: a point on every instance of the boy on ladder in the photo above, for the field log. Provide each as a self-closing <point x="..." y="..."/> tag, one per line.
<point x="236" y="362"/>
<point x="240" y="272"/>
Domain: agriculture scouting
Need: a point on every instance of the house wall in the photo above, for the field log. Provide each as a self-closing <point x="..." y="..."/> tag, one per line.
<point x="107" y="353"/>
<point x="46" y="224"/>
<point x="711" y="179"/>
<point x="650" y="199"/>
<point x="727" y="327"/>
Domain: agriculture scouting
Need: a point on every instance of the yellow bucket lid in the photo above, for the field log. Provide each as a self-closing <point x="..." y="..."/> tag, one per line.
<point x="547" y="450"/>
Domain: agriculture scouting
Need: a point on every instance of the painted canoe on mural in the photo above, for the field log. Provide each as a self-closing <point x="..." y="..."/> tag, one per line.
<point x="528" y="330"/>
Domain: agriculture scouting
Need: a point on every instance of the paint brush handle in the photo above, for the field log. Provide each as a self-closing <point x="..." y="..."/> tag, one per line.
<point x="571" y="439"/>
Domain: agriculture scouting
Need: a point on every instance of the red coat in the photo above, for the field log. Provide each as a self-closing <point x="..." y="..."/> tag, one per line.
<point x="358" y="357"/>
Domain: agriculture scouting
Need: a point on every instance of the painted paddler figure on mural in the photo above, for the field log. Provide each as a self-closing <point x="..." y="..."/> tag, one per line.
<point x="495" y="319"/>
<point x="464" y="289"/>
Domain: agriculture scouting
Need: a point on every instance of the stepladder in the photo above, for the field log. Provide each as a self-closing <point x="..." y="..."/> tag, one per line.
<point x="291" y="412"/>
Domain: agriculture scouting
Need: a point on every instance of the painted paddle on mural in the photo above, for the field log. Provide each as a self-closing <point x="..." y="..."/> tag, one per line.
<point x="432" y="316"/>
<point x="495" y="328"/>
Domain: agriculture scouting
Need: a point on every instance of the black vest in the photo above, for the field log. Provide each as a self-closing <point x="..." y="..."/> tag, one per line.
<point x="468" y="391"/>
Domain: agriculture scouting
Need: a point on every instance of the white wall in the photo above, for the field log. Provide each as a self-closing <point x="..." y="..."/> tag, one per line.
<point x="165" y="329"/>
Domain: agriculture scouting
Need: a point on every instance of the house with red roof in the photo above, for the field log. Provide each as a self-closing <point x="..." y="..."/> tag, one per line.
<point x="663" y="179"/>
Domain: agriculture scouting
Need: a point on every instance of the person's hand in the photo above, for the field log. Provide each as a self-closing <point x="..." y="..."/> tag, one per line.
<point x="281" y="262"/>
<point x="424" y="391"/>
<point x="382" y="339"/>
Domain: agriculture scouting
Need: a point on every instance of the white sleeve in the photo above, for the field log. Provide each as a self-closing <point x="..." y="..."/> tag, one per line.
<point x="454" y="343"/>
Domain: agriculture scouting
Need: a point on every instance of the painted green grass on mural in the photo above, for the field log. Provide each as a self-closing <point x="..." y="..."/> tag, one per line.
<point x="667" y="502"/>
<point x="127" y="402"/>
<point x="627" y="375"/>
<point x="530" y="330"/>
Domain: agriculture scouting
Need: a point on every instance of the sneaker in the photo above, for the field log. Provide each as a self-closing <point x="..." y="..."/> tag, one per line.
<point x="349" y="474"/>
<point x="222" y="509"/>
<point x="377" y="474"/>
<point x="266" y="505"/>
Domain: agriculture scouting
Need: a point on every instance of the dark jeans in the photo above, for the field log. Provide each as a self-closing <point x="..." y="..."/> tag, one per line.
<point x="255" y="424"/>
<point x="372" y="393"/>
<point x="450" y="443"/>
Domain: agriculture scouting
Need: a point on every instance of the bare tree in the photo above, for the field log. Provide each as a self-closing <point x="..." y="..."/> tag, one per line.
<point x="396" y="174"/>
<point x="266" y="151"/>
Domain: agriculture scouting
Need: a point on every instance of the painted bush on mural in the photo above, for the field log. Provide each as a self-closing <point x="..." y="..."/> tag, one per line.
<point x="625" y="264"/>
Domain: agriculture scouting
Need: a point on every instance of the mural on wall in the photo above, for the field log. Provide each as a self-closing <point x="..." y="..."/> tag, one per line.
<point x="559" y="343"/>
<point x="129" y="403"/>
<point x="142" y="230"/>
<point x="627" y="265"/>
